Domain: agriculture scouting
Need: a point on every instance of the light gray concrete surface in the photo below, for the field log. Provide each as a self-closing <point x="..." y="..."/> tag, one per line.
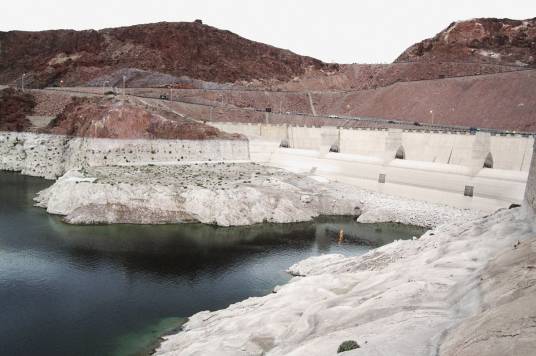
<point x="530" y="192"/>
<point x="509" y="152"/>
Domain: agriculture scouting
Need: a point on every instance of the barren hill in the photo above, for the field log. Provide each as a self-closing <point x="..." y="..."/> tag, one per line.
<point x="180" y="49"/>
<point x="484" y="40"/>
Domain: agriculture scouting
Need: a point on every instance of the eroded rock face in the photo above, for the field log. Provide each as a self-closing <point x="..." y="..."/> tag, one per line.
<point x="180" y="49"/>
<point x="14" y="107"/>
<point x="225" y="194"/>
<point x="51" y="156"/>
<point x="128" y="118"/>
<point x="500" y="41"/>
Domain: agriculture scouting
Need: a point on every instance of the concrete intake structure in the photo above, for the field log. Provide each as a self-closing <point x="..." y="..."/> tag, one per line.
<point x="481" y="170"/>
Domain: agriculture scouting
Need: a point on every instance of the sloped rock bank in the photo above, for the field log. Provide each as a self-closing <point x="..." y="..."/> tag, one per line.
<point x="438" y="294"/>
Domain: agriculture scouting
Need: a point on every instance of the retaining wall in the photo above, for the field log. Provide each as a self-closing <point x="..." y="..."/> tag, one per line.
<point x="50" y="156"/>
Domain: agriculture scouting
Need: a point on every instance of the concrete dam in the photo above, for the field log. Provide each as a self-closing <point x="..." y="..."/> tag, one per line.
<point x="478" y="170"/>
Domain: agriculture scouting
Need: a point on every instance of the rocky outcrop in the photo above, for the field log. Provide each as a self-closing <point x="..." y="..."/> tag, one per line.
<point x="483" y="40"/>
<point x="179" y="49"/>
<point x="193" y="55"/>
<point x="14" y="107"/>
<point x="132" y="118"/>
<point x="225" y="194"/>
<point x="222" y="193"/>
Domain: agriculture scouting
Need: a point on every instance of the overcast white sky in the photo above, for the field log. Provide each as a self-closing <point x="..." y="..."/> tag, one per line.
<point x="332" y="30"/>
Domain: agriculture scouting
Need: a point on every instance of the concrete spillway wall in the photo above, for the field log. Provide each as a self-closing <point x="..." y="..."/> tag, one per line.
<point x="482" y="170"/>
<point x="50" y="156"/>
<point x="507" y="152"/>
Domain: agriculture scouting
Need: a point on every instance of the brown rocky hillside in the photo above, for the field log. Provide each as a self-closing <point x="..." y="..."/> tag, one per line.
<point x="484" y="40"/>
<point x="193" y="50"/>
<point x="108" y="117"/>
<point x="14" y="107"/>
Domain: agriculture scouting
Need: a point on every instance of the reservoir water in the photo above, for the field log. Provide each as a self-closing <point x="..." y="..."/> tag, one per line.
<point x="112" y="290"/>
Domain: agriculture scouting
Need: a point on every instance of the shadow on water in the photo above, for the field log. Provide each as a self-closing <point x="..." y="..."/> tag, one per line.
<point x="100" y="290"/>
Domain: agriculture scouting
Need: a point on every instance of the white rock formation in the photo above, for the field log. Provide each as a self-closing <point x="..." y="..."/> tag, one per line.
<point x="226" y="194"/>
<point x="216" y="193"/>
<point x="402" y="299"/>
<point x="50" y="156"/>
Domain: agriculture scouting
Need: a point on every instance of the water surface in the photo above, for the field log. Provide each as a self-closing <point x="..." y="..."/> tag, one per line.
<point x="111" y="290"/>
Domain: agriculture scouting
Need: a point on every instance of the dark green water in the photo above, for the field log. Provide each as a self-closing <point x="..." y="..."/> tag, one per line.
<point x="112" y="290"/>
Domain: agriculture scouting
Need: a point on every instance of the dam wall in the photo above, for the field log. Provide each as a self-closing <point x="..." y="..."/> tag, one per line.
<point x="480" y="170"/>
<point x="507" y="152"/>
<point x="50" y="156"/>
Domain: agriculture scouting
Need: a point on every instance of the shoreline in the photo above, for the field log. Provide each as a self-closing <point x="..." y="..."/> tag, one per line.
<point x="280" y="323"/>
